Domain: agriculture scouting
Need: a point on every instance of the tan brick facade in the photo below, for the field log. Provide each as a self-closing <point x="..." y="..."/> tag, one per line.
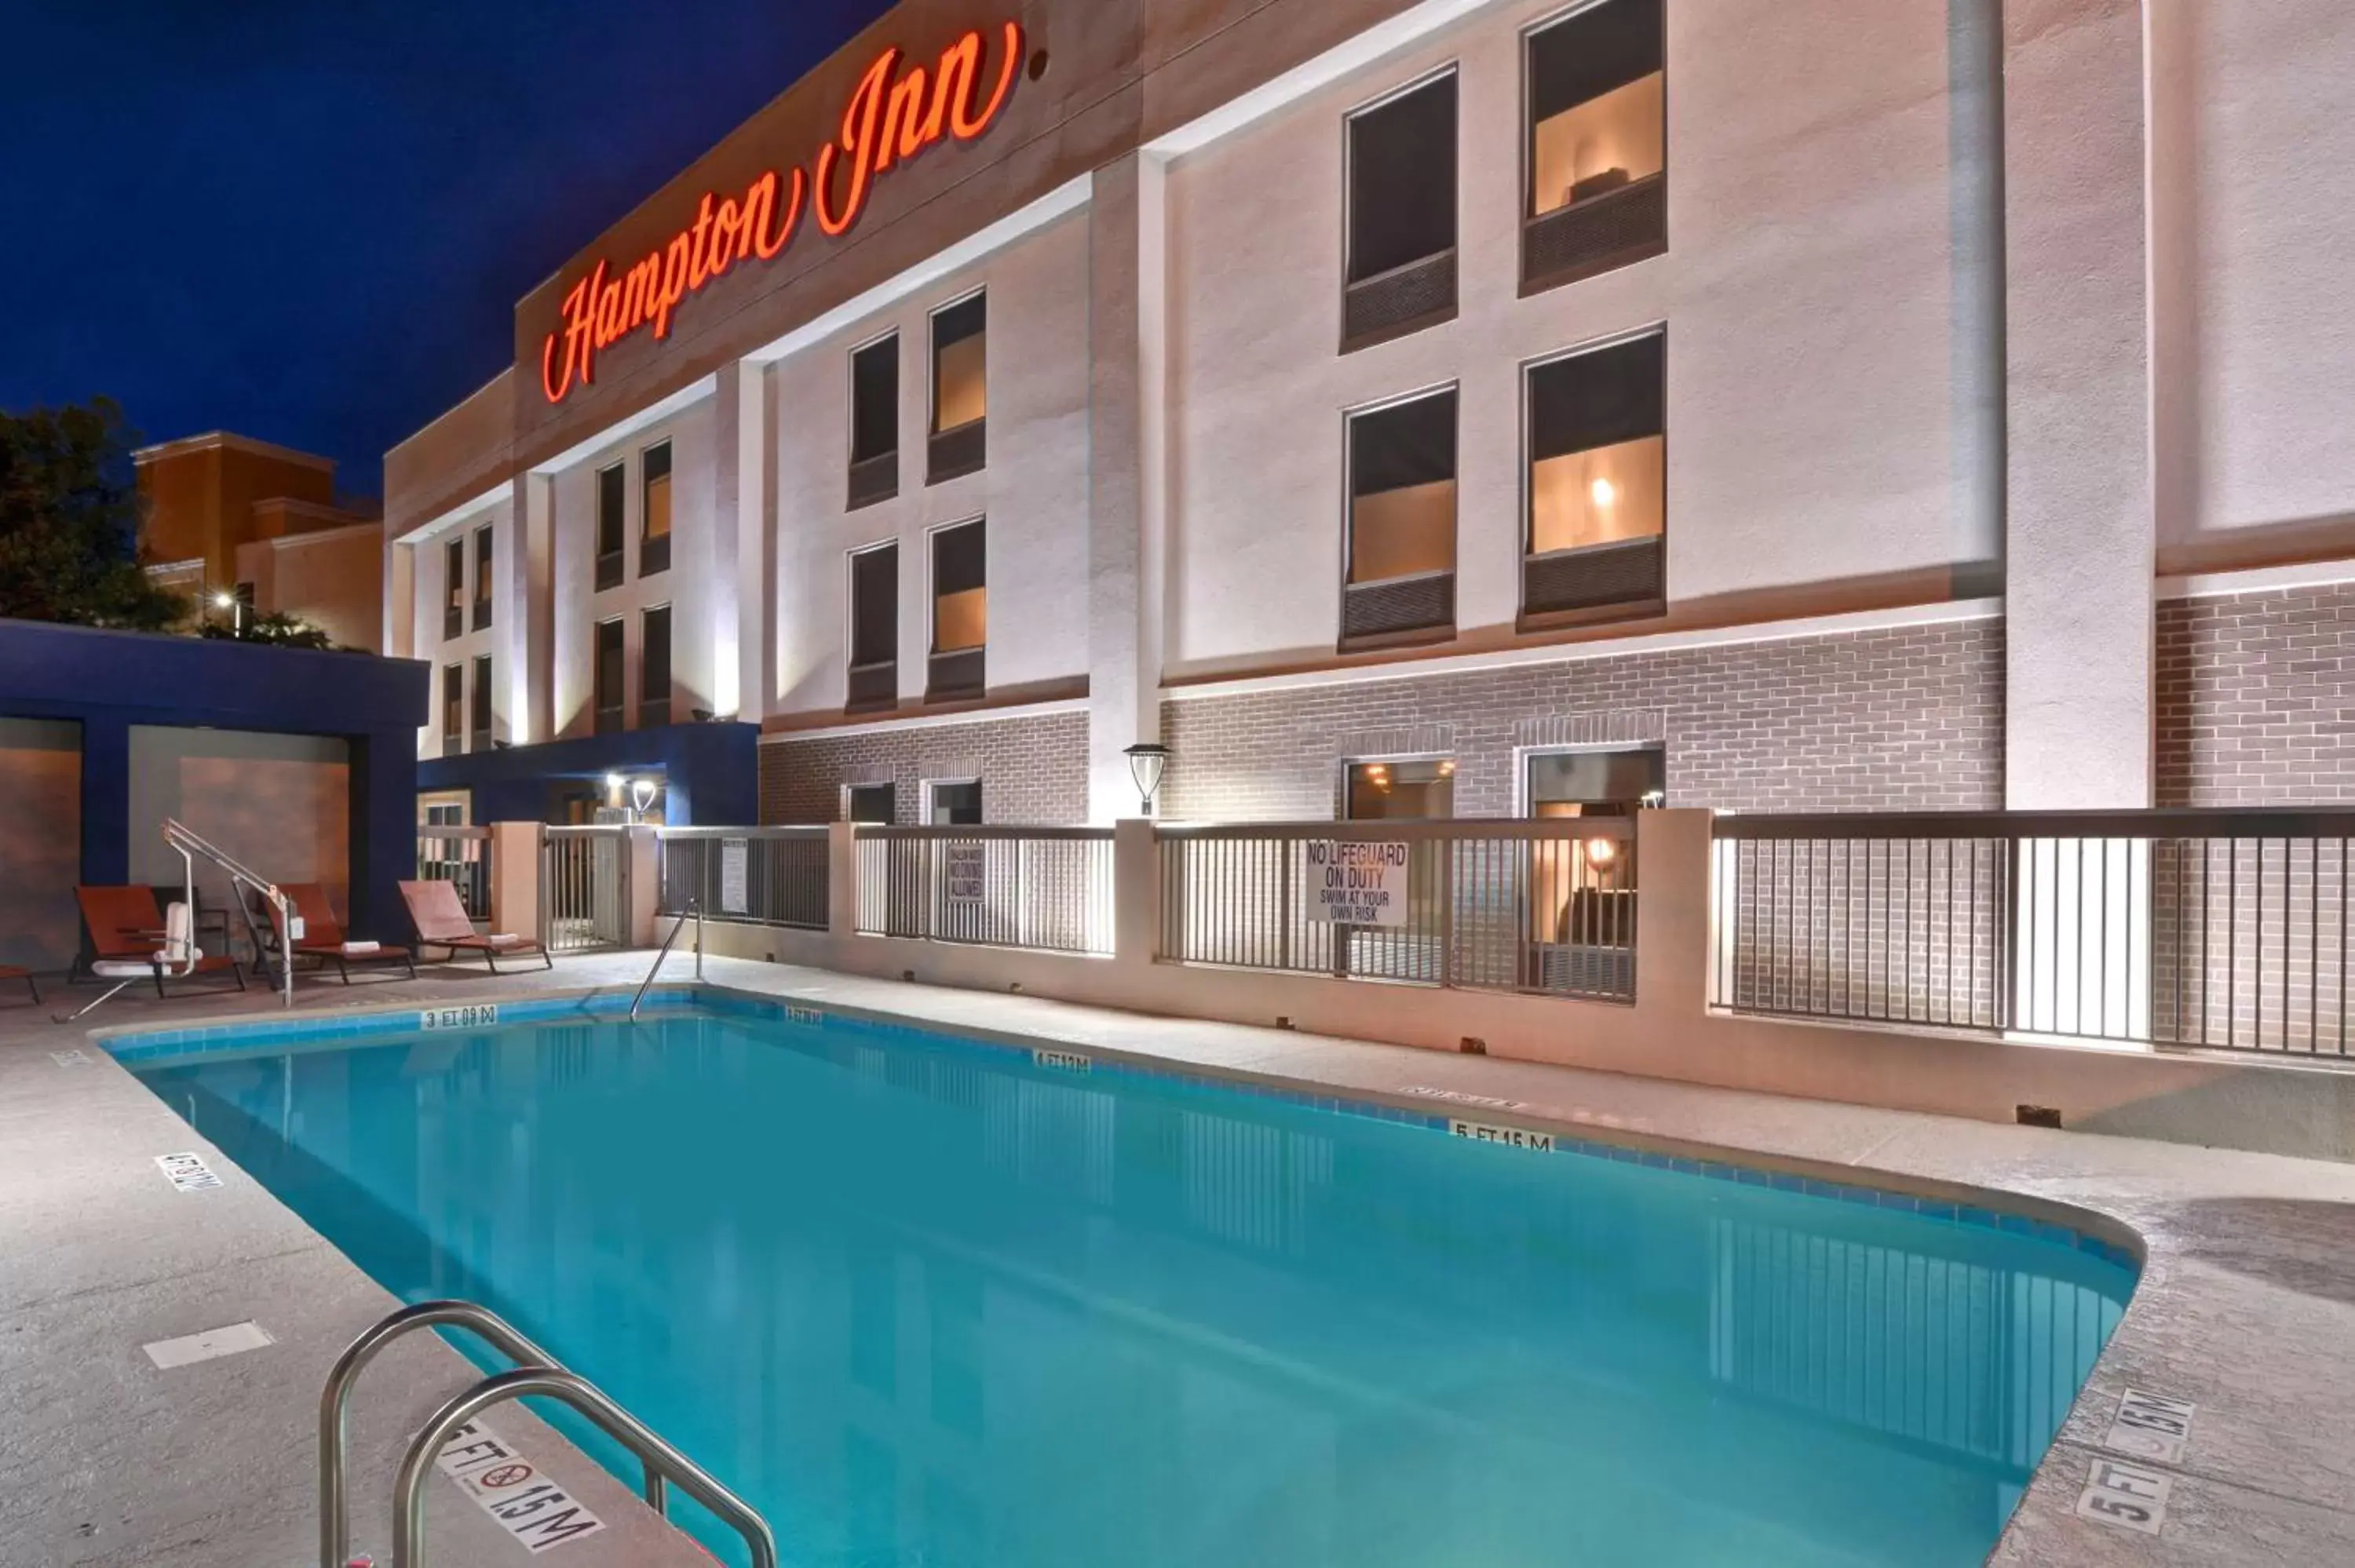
<point x="1903" y="719"/>
<point x="2256" y="698"/>
<point x="1032" y="768"/>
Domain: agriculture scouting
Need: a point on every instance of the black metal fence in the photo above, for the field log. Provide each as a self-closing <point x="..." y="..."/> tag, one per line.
<point x="769" y="876"/>
<point x="2224" y="929"/>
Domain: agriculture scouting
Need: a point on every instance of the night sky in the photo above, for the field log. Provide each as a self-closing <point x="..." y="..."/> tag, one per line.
<point x="309" y="220"/>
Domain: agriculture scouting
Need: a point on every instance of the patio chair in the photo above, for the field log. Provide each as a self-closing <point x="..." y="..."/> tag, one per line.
<point x="443" y="922"/>
<point x="125" y="927"/>
<point x="322" y="935"/>
<point x="10" y="971"/>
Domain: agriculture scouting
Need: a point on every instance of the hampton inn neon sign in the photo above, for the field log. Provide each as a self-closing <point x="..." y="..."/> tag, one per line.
<point x="894" y="113"/>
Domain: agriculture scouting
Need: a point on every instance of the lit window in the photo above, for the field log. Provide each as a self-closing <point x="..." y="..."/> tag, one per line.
<point x="481" y="578"/>
<point x="654" y="544"/>
<point x="453" y="589"/>
<point x="1401" y="558"/>
<point x="1597" y="478"/>
<point x="1424" y="789"/>
<point x="960" y="364"/>
<point x="1598" y="142"/>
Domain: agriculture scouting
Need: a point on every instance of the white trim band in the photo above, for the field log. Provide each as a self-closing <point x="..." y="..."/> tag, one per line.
<point x="932" y="721"/>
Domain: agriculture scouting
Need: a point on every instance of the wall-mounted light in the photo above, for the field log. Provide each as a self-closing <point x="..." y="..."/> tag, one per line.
<point x="1147" y="762"/>
<point x="1604" y="492"/>
<point x="1601" y="851"/>
<point x="642" y="794"/>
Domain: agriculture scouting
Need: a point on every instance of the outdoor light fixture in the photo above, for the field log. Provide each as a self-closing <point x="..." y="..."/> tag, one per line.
<point x="613" y="782"/>
<point x="1146" y="762"/>
<point x="1604" y="492"/>
<point x="1601" y="852"/>
<point x="236" y="608"/>
<point x="642" y="794"/>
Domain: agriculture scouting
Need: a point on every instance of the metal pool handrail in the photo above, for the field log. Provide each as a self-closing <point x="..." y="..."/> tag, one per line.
<point x="692" y="913"/>
<point x="335" y="1507"/>
<point x="664" y="1464"/>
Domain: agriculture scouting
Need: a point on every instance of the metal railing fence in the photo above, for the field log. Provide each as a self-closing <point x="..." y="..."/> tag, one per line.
<point x="1047" y="888"/>
<point x="2221" y="929"/>
<point x="584" y="888"/>
<point x="462" y="855"/>
<point x="770" y="876"/>
<point x="1545" y="906"/>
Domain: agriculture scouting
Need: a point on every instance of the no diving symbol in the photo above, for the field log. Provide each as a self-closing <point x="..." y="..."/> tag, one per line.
<point x="505" y="1476"/>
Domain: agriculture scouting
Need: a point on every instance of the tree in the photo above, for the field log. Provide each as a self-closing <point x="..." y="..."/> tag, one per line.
<point x="69" y="522"/>
<point x="277" y="629"/>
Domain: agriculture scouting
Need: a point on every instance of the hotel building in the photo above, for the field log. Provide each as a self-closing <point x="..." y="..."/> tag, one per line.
<point x="1471" y="407"/>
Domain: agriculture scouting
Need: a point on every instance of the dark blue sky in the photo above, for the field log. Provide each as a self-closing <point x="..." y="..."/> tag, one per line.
<point x="309" y="220"/>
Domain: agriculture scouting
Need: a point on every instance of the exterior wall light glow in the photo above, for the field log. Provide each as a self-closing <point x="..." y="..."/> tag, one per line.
<point x="1601" y="852"/>
<point x="642" y="794"/>
<point x="1604" y="492"/>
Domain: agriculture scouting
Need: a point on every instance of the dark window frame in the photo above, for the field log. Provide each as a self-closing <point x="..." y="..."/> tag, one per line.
<point x="873" y="474"/>
<point x="654" y="553"/>
<point x="956" y="673"/>
<point x="486" y="553"/>
<point x="453" y="709"/>
<point x="453" y="589"/>
<point x="1408" y="296"/>
<point x="933" y="787"/>
<point x="608" y="717"/>
<point x="481" y="719"/>
<point x="610" y="563"/>
<point x="654" y="695"/>
<point x="1437" y="585"/>
<point x="849" y="804"/>
<point x="1641" y="234"/>
<point x="954" y="450"/>
<point x="875" y="681"/>
<point x="1632" y="608"/>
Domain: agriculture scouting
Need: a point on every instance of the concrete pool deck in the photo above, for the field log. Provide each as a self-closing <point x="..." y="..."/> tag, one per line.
<point x="2247" y="1308"/>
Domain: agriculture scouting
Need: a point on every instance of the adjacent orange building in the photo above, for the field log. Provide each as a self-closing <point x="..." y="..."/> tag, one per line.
<point x="228" y="514"/>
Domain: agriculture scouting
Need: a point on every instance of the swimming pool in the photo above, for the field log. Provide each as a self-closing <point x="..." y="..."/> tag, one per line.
<point x="928" y="1300"/>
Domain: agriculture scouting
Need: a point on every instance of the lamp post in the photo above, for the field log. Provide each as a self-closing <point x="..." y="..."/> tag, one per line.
<point x="1146" y="762"/>
<point x="236" y="607"/>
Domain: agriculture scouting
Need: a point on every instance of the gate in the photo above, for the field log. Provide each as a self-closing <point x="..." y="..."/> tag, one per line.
<point x="584" y="888"/>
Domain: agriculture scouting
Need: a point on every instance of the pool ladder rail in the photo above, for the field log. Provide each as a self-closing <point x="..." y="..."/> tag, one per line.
<point x="536" y="1373"/>
<point x="693" y="912"/>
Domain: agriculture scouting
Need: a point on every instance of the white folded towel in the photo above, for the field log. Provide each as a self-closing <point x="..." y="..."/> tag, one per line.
<point x="504" y="938"/>
<point x="355" y="949"/>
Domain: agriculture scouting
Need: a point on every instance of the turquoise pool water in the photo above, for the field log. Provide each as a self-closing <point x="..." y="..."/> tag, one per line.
<point x="931" y="1302"/>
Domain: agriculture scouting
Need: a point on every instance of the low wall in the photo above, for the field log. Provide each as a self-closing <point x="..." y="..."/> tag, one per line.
<point x="1669" y="1033"/>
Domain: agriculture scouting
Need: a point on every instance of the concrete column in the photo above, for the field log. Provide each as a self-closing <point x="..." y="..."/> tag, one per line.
<point x="512" y="679"/>
<point x="515" y="877"/>
<point x="645" y="852"/>
<point x="535" y="513"/>
<point x="743" y="489"/>
<point x="1673" y="915"/>
<point x="1126" y="318"/>
<point x="399" y="600"/>
<point x="841" y="879"/>
<point x="1135" y="898"/>
<point x="381" y="815"/>
<point x="2079" y="550"/>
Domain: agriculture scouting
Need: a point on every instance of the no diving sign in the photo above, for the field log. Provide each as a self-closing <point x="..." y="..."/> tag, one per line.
<point x="1357" y="883"/>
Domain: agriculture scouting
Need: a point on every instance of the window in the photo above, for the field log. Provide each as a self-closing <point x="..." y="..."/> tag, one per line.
<point x="653" y="529"/>
<point x="1597" y="481"/>
<point x="874" y="422"/>
<point x="960" y="611"/>
<point x="654" y="669"/>
<point x="1413" y="790"/>
<point x="481" y="578"/>
<point x="875" y="627"/>
<point x="1401" y="271"/>
<point x="453" y="589"/>
<point x="612" y="492"/>
<point x="481" y="727"/>
<point x="608" y="677"/>
<point x="1401" y="567"/>
<point x="1595" y="783"/>
<point x="955" y="803"/>
<point x="960" y="389"/>
<point x="453" y="709"/>
<point x="873" y="803"/>
<point x="1597" y="152"/>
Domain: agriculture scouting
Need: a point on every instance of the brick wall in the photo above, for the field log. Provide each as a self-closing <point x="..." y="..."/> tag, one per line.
<point x="2256" y="698"/>
<point x="1904" y="719"/>
<point x="1032" y="769"/>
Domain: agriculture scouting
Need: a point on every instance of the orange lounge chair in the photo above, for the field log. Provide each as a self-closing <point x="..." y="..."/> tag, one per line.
<point x="125" y="927"/>
<point x="323" y="934"/>
<point x="10" y="971"/>
<point x="440" y="921"/>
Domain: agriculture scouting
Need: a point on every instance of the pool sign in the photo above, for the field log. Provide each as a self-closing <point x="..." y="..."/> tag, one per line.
<point x="1510" y="1137"/>
<point x="2150" y="1426"/>
<point x="478" y="1015"/>
<point x="962" y="872"/>
<point x="2126" y="1496"/>
<point x="189" y="1173"/>
<point x="510" y="1489"/>
<point x="735" y="869"/>
<point x="1357" y="883"/>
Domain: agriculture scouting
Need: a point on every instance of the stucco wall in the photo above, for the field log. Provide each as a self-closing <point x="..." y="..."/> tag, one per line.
<point x="1033" y="491"/>
<point x="333" y="579"/>
<point x="1819" y="426"/>
<point x="41" y="842"/>
<point x="281" y="803"/>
